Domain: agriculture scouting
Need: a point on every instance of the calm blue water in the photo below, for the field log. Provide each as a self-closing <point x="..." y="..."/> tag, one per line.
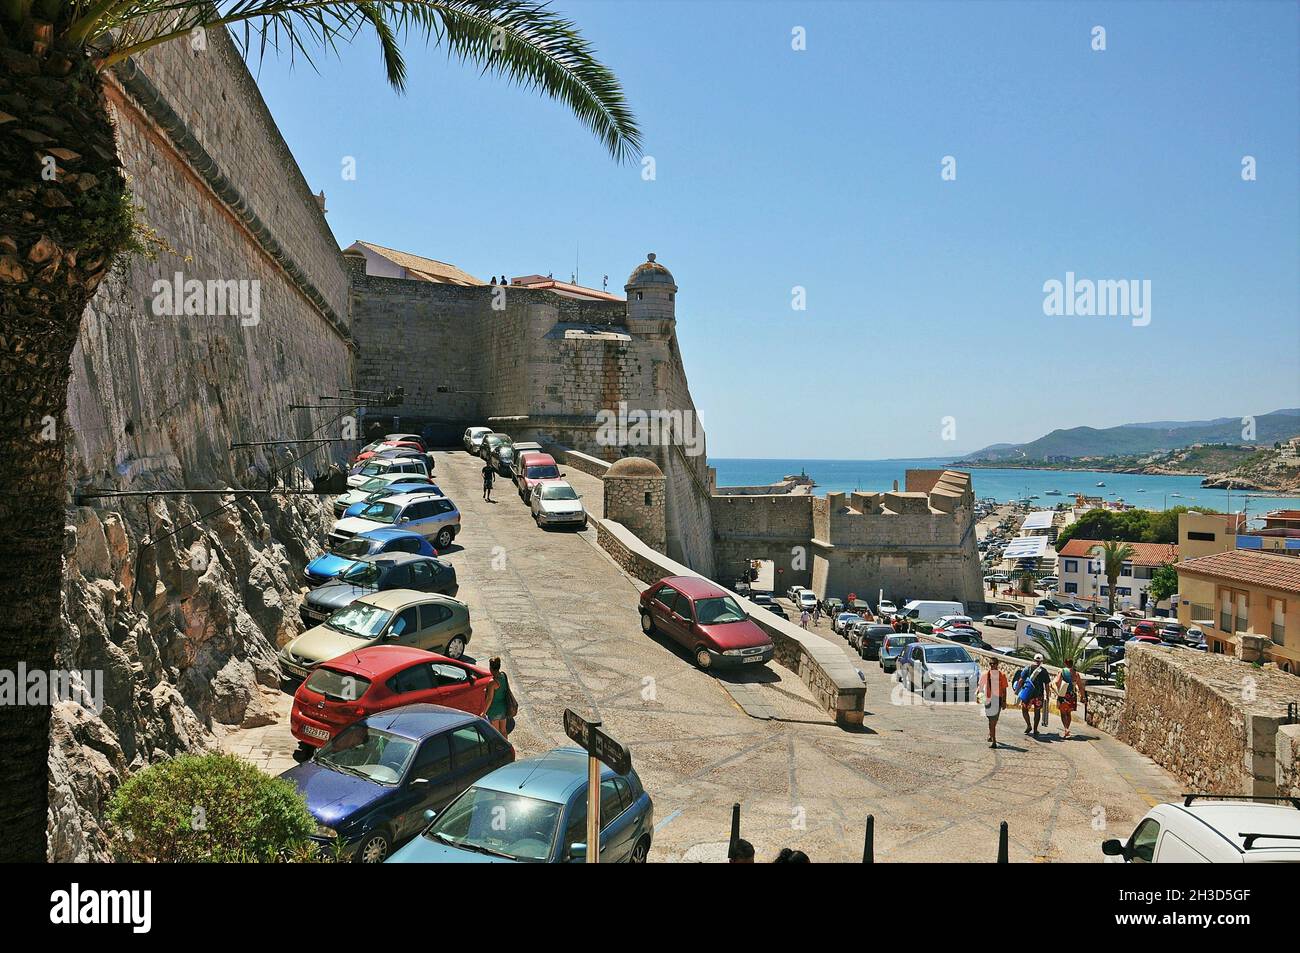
<point x="1148" y="492"/>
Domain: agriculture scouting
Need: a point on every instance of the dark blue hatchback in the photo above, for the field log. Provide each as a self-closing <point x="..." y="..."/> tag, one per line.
<point x="370" y="786"/>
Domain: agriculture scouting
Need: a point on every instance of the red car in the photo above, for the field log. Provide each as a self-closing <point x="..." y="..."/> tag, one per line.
<point x="378" y="448"/>
<point x="1146" y="631"/>
<point x="706" y="620"/>
<point x="535" y="468"/>
<point x="375" y="679"/>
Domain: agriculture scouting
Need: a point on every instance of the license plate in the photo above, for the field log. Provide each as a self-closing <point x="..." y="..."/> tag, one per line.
<point x="754" y="658"/>
<point x="311" y="732"/>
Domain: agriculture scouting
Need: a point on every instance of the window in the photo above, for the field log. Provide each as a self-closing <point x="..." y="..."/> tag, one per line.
<point x="1225" y="610"/>
<point x="1124" y="590"/>
<point x="666" y="596"/>
<point x="432" y="614"/>
<point x="1278" y="608"/>
<point x="1072" y="587"/>
<point x="1142" y="846"/>
<point x="1126" y="569"/>
<point x="417" y="678"/>
<point x="683" y="607"/>
<point x="1202" y="537"/>
<point x="467" y="745"/>
<point x="444" y="674"/>
<point x="406" y="622"/>
<point x="1243" y="611"/>
<point x="418" y="511"/>
<point x="1072" y="565"/>
<point x="441" y="506"/>
<point x="613" y="800"/>
<point x="421" y="575"/>
<point x="434" y="759"/>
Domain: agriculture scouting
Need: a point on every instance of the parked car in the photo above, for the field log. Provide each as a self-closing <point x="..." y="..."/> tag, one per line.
<point x="793" y="594"/>
<point x="1003" y="620"/>
<point x="1209" y="828"/>
<point x="930" y="610"/>
<point x="1145" y="629"/>
<point x="520" y="448"/>
<point x="1174" y="632"/>
<point x="776" y="609"/>
<point x="704" y="619"/>
<point x="377" y="484"/>
<point x="966" y="636"/>
<point x="940" y="671"/>
<point x="421" y="620"/>
<point x="393" y="489"/>
<point x="891" y="648"/>
<point x="832" y="606"/>
<point x="868" y="637"/>
<point x="1074" y="620"/>
<point x="839" y="622"/>
<point x="503" y="459"/>
<point x="534" y="469"/>
<point x="328" y="565"/>
<point x="996" y="577"/>
<point x="413" y="438"/>
<point x="544" y="802"/>
<point x="473" y="436"/>
<point x="491" y="442"/>
<point x="432" y="516"/>
<point x="807" y="600"/>
<point x="375" y="574"/>
<point x="370" y="786"/>
<point x="556" y="503"/>
<point x="376" y="466"/>
<point x="948" y="621"/>
<point x="369" y="681"/>
<point x="886" y="609"/>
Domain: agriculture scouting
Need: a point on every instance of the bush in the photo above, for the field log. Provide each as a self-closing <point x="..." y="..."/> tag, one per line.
<point x="213" y="808"/>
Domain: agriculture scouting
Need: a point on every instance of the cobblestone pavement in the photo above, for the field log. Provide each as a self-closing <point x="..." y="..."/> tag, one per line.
<point x="563" y="618"/>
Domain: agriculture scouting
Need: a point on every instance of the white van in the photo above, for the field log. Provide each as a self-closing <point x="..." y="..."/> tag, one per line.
<point x="1207" y="829"/>
<point x="1029" y="626"/>
<point x="921" y="610"/>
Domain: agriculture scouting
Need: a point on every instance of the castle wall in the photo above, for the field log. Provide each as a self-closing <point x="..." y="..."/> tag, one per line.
<point x="778" y="528"/>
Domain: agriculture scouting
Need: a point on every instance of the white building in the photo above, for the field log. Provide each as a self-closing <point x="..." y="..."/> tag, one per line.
<point x="1082" y="572"/>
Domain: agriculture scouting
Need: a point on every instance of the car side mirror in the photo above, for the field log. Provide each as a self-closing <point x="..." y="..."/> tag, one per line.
<point x="1114" y="848"/>
<point x="577" y="851"/>
<point x="430" y="815"/>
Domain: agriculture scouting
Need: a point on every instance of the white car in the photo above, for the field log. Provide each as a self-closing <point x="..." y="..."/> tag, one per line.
<point x="372" y="485"/>
<point x="555" y="503"/>
<point x="378" y="466"/>
<point x="793" y="593"/>
<point x="1003" y="620"/>
<point x="886" y="608"/>
<point x="807" y="599"/>
<point x="430" y="514"/>
<point x="1212" y="829"/>
<point x="473" y="437"/>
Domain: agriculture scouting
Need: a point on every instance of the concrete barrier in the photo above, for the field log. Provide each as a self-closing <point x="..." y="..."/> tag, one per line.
<point x="831" y="677"/>
<point x="579" y="461"/>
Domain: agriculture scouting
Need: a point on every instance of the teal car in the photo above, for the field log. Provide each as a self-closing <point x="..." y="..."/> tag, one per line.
<point x="535" y="811"/>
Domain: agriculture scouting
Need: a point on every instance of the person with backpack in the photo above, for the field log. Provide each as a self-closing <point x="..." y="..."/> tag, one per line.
<point x="993" y="686"/>
<point x="501" y="705"/>
<point x="1031" y="686"/>
<point x="1069" y="691"/>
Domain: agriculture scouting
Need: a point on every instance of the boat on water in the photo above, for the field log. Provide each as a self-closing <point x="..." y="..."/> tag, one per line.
<point x="1052" y="493"/>
<point x="1101" y="482"/>
<point x="1171" y="495"/>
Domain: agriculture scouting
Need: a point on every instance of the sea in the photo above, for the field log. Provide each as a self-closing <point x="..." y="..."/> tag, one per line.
<point x="1006" y="484"/>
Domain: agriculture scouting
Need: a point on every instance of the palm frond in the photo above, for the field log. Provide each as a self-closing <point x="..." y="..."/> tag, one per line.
<point x="521" y="41"/>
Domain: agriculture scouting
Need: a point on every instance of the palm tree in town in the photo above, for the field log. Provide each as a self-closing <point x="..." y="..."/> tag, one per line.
<point x="1113" y="557"/>
<point x="1061" y="644"/>
<point x="66" y="214"/>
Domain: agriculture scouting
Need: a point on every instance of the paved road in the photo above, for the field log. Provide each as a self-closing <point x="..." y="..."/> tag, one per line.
<point x="563" y="617"/>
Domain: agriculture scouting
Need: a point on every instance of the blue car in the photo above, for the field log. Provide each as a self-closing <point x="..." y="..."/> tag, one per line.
<point x="393" y="489"/>
<point x="369" y="787"/>
<point x="535" y="811"/>
<point x="330" y="565"/>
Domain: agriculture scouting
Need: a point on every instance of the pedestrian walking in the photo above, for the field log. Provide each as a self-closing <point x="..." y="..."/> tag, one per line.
<point x="1069" y="692"/>
<point x="1031" y="687"/>
<point x="817" y="614"/>
<point x="803" y="618"/>
<point x="501" y="705"/>
<point x="993" y="686"/>
<point x="489" y="477"/>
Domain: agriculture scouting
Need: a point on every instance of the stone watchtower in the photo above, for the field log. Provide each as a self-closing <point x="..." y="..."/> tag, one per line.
<point x="635" y="496"/>
<point x="651" y="300"/>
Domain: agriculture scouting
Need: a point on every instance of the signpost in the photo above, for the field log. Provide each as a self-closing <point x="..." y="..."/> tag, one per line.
<point x="599" y="747"/>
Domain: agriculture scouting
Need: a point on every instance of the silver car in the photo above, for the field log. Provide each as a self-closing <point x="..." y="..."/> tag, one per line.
<point x="555" y="503"/>
<point x="942" y="672"/>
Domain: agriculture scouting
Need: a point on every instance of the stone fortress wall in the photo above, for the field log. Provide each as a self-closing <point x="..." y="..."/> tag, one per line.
<point x="183" y="620"/>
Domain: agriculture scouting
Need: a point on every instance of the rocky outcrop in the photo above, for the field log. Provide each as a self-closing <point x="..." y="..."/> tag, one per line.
<point x="179" y="618"/>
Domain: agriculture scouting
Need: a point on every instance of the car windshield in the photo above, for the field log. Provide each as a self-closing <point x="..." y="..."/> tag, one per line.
<point x="558" y="493"/>
<point x="718" y="610"/>
<point x="545" y="472"/>
<point x="499" y="823"/>
<point x="359" y="620"/>
<point x="356" y="546"/>
<point x="361" y="574"/>
<point x="339" y="686"/>
<point x="368" y="753"/>
<point x="371" y="469"/>
<point x="373" y="484"/>
<point x="381" y="512"/>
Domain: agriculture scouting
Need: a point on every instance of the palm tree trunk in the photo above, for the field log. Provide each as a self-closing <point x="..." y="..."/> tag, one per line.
<point x="64" y="214"/>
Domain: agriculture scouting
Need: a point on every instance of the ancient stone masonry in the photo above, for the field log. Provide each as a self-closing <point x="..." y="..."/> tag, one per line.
<point x="183" y="620"/>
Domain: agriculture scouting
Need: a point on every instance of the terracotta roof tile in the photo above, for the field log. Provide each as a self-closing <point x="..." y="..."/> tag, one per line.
<point x="1248" y="566"/>
<point x="1144" y="554"/>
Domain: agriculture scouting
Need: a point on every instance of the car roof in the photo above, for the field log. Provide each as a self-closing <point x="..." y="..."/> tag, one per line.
<point x="409" y="498"/>
<point x="694" y="586"/>
<point x="551" y="484"/>
<point x="1232" y="819"/>
<point x="418" y="721"/>
<point x="377" y="661"/>
<point x="386" y="533"/>
<point x="478" y="429"/>
<point x="394" y="599"/>
<point x="535" y="458"/>
<point x="550" y="777"/>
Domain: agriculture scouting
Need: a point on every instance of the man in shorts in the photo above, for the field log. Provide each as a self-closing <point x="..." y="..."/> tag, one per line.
<point x="1034" y="697"/>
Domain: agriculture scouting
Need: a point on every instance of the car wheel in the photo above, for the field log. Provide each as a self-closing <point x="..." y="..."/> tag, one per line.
<point x="538" y="520"/>
<point x="640" y="851"/>
<point x="443" y="539"/>
<point x="456" y="647"/>
<point x="703" y="659"/>
<point x="374" y="848"/>
<point x="647" y="623"/>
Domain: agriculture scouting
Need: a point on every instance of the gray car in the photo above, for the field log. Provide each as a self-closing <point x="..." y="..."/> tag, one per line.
<point x="942" y="672"/>
<point x="374" y="573"/>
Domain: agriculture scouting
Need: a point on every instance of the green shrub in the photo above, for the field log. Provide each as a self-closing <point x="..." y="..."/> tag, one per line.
<point x="213" y="808"/>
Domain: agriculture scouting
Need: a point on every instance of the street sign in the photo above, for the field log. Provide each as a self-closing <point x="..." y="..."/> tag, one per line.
<point x="587" y="735"/>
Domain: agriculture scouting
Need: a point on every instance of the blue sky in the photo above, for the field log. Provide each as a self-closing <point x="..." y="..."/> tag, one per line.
<point x="820" y="168"/>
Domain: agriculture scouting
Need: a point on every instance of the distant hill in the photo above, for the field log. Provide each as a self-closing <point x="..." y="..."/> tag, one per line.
<point x="1141" y="438"/>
